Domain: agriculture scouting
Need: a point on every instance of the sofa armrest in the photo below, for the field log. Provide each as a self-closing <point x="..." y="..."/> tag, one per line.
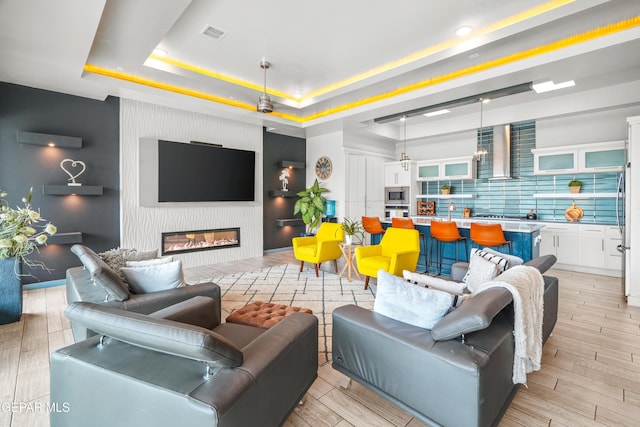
<point x="542" y="263"/>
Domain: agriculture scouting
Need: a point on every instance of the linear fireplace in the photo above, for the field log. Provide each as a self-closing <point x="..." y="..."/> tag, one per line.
<point x="200" y="240"/>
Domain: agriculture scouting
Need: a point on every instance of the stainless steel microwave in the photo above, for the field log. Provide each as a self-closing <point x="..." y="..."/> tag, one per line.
<point x="396" y="195"/>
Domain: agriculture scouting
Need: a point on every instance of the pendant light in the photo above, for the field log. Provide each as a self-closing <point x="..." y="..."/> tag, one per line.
<point x="264" y="102"/>
<point x="404" y="159"/>
<point x="481" y="152"/>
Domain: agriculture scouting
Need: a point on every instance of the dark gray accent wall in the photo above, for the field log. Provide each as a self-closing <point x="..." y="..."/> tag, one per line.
<point x="23" y="166"/>
<point x="278" y="148"/>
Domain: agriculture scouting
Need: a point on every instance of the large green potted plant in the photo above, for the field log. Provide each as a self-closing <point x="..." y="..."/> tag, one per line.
<point x="19" y="237"/>
<point x="311" y="205"/>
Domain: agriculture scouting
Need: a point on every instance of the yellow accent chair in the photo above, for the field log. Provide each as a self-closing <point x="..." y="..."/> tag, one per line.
<point x="321" y="247"/>
<point x="398" y="250"/>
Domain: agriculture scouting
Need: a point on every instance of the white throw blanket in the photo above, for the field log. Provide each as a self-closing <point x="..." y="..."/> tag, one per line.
<point x="527" y="287"/>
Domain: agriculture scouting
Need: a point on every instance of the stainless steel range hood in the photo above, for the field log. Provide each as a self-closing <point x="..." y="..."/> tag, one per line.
<point x="501" y="152"/>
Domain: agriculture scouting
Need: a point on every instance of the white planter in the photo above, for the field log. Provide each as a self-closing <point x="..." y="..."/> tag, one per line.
<point x="348" y="239"/>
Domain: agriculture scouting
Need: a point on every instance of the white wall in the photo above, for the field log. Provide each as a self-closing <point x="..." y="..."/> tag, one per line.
<point x="442" y="146"/>
<point x="600" y="126"/>
<point x="579" y="128"/>
<point x="329" y="145"/>
<point x="141" y="226"/>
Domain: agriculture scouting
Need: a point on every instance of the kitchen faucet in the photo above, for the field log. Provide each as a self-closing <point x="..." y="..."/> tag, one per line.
<point x="452" y="207"/>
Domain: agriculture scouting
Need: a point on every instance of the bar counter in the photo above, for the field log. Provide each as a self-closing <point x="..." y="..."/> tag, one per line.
<point x="523" y="234"/>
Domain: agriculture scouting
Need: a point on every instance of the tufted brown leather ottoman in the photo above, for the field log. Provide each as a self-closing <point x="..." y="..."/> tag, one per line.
<point x="263" y="314"/>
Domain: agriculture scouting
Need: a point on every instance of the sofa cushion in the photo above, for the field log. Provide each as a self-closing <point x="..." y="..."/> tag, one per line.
<point x="155" y="277"/>
<point x="161" y="335"/>
<point x="101" y="274"/>
<point x="482" y="269"/>
<point x="456" y="288"/>
<point x="475" y="314"/>
<point x="116" y="258"/>
<point x="409" y="303"/>
<point x="148" y="262"/>
<point x="512" y="260"/>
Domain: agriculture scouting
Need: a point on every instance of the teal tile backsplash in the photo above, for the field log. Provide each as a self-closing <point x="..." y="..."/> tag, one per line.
<point x="514" y="197"/>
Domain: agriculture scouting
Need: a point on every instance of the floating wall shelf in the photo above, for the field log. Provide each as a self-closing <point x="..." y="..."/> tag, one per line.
<point x="65" y="190"/>
<point x="282" y="194"/>
<point x="291" y="164"/>
<point x="49" y="140"/>
<point x="289" y="221"/>
<point x="70" y="238"/>
<point x="575" y="195"/>
<point x="445" y="196"/>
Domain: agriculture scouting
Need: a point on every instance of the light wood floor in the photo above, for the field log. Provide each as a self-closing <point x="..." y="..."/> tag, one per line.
<point x="590" y="369"/>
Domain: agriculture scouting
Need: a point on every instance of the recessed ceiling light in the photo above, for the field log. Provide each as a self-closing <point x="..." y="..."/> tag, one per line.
<point x="486" y="100"/>
<point x="403" y="118"/>
<point x="437" y="113"/>
<point x="474" y="55"/>
<point x="159" y="52"/>
<point x="463" y="31"/>
<point x="548" y="86"/>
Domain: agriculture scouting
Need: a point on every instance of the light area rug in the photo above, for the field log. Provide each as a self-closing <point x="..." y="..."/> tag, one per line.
<point x="285" y="284"/>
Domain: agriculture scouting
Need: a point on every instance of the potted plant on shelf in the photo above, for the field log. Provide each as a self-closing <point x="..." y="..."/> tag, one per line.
<point x="311" y="205"/>
<point x="446" y="189"/>
<point x="351" y="228"/>
<point x="19" y="237"/>
<point x="575" y="185"/>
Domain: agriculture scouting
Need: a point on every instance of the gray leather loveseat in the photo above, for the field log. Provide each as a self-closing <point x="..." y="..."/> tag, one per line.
<point x="457" y="374"/>
<point x="181" y="367"/>
<point x="96" y="282"/>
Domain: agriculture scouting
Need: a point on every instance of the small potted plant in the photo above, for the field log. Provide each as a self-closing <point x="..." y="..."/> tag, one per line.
<point x="351" y="228"/>
<point x="575" y="185"/>
<point x="446" y="189"/>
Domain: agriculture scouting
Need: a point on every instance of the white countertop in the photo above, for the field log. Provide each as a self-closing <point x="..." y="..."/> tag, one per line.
<point x="517" y="225"/>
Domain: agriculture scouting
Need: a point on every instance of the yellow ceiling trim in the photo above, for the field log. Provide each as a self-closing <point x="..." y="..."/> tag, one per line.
<point x="518" y="56"/>
<point x="220" y="76"/>
<point x="520" y="17"/>
<point x="90" y="68"/>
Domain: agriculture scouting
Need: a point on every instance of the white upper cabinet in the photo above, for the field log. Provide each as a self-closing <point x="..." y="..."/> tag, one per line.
<point x="597" y="157"/>
<point x="396" y="176"/>
<point x="443" y="169"/>
<point x="602" y="157"/>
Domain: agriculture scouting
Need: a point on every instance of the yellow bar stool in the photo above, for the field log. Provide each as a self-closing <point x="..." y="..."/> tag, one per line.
<point x="445" y="232"/>
<point x="490" y="235"/>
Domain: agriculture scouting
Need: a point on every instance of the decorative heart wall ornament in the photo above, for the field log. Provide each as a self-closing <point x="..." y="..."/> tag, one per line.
<point x="74" y="164"/>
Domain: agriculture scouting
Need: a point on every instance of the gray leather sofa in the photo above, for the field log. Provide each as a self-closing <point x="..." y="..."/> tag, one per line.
<point x="181" y="367"/>
<point x="457" y="374"/>
<point x="96" y="282"/>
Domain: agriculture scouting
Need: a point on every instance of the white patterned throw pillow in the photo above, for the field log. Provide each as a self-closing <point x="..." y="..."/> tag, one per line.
<point x="483" y="266"/>
<point x="409" y="303"/>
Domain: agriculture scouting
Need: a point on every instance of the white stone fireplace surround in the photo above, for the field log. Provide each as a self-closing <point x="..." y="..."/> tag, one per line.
<point x="141" y="226"/>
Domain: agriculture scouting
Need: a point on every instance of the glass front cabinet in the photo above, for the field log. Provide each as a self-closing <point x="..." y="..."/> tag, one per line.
<point x="455" y="168"/>
<point x="596" y="157"/>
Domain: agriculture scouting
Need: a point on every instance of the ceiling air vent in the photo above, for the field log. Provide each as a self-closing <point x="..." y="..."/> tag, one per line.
<point x="214" y="32"/>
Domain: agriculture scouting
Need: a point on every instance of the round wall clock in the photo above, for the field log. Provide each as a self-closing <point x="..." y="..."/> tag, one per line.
<point x="324" y="167"/>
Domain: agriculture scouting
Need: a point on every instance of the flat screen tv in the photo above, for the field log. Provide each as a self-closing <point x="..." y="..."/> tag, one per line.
<point x="200" y="172"/>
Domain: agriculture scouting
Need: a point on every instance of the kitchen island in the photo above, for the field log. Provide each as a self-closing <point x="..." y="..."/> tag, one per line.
<point x="523" y="234"/>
